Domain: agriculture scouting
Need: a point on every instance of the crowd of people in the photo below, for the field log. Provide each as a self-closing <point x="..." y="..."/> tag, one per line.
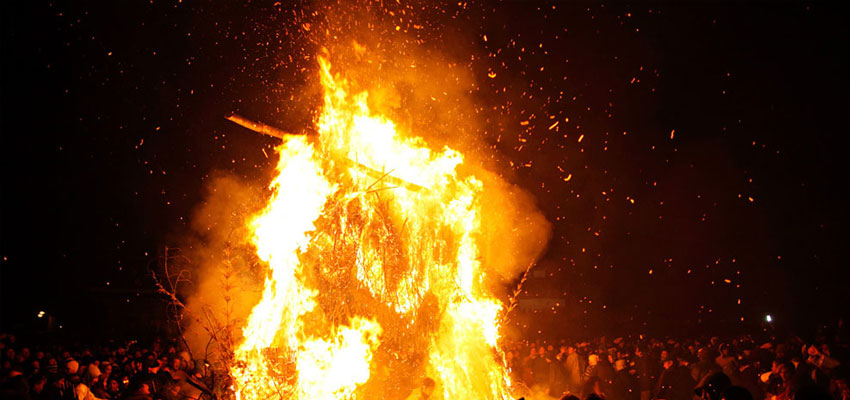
<point x="133" y="372"/>
<point x="741" y="368"/>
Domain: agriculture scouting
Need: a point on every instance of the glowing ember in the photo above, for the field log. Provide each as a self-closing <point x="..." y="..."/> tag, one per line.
<point x="372" y="242"/>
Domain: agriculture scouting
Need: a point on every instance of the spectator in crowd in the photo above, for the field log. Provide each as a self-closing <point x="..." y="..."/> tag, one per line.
<point x="645" y="372"/>
<point x="573" y="370"/>
<point x="558" y="374"/>
<point x="675" y="382"/>
<point x="705" y="366"/>
<point x="625" y="386"/>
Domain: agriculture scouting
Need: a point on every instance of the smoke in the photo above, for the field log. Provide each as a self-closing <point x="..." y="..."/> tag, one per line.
<point x="514" y="232"/>
<point x="227" y="276"/>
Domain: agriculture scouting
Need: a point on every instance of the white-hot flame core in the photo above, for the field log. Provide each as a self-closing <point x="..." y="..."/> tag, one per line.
<point x="332" y="370"/>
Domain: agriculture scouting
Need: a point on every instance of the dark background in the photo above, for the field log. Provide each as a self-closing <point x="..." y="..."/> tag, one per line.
<point x="725" y="123"/>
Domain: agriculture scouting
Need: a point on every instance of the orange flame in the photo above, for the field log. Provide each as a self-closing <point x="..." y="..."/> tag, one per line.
<point x="369" y="236"/>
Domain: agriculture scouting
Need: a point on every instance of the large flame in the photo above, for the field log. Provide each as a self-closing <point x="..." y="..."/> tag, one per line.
<point x="372" y="242"/>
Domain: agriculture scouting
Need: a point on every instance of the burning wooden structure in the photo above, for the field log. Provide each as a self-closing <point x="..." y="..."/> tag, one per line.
<point x="375" y="278"/>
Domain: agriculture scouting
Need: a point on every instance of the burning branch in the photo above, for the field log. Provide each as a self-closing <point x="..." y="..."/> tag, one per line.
<point x="170" y="291"/>
<point x="269" y="130"/>
<point x="258" y="127"/>
<point x="512" y="301"/>
<point x="169" y="285"/>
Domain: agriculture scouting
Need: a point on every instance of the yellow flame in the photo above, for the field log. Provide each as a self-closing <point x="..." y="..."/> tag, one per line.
<point x="364" y="225"/>
<point x="332" y="370"/>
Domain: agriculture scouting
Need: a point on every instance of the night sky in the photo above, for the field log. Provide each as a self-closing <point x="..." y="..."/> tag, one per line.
<point x="694" y="180"/>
